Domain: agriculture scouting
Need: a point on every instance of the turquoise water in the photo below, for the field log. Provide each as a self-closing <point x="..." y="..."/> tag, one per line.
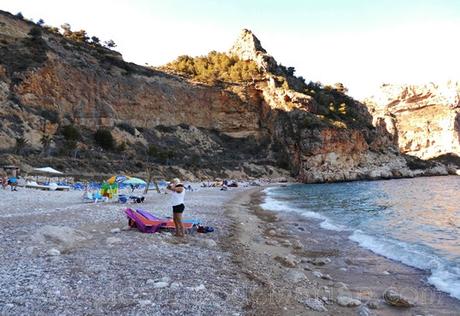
<point x="414" y="221"/>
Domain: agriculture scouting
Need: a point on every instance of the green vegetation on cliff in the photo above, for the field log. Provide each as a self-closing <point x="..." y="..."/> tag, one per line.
<point x="215" y="67"/>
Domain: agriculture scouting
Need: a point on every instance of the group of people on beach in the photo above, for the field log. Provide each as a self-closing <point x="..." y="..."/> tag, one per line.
<point x="11" y="181"/>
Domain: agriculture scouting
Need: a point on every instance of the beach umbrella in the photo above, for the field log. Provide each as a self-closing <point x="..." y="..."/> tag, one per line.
<point x="134" y="181"/>
<point x="117" y="179"/>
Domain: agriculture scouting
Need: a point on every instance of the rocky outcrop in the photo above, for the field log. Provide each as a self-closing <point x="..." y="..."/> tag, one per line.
<point x="248" y="47"/>
<point x="194" y="130"/>
<point x="424" y="120"/>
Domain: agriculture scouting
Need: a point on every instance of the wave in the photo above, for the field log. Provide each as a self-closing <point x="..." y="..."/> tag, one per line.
<point x="444" y="276"/>
<point x="272" y="204"/>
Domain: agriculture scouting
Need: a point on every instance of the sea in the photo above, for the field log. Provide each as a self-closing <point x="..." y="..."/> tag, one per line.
<point x="414" y="221"/>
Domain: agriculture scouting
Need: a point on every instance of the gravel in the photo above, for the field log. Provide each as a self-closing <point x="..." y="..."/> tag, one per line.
<point x="130" y="274"/>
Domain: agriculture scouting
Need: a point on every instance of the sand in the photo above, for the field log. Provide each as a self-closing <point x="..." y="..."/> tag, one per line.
<point x="62" y="256"/>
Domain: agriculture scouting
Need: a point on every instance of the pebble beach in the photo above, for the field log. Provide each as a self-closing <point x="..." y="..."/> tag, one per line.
<point x="61" y="256"/>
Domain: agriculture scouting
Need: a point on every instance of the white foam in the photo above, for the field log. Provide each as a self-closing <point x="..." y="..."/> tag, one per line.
<point x="443" y="276"/>
<point x="326" y="224"/>
<point x="446" y="281"/>
<point x="272" y="204"/>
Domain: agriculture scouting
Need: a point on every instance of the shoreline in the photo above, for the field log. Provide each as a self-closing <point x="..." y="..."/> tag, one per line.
<point x="256" y="262"/>
<point x="319" y="264"/>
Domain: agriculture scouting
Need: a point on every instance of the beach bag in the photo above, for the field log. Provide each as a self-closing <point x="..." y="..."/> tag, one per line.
<point x="204" y="229"/>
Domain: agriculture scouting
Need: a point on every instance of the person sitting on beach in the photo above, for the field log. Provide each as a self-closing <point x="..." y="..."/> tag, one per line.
<point x="177" y="201"/>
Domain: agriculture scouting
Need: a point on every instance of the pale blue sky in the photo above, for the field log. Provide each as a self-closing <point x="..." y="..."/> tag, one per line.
<point x="360" y="43"/>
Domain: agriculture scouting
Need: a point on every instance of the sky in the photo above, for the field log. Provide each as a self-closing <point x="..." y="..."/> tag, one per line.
<point x="360" y="43"/>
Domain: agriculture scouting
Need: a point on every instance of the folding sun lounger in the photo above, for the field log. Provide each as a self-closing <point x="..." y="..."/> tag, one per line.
<point x="145" y="225"/>
<point x="168" y="223"/>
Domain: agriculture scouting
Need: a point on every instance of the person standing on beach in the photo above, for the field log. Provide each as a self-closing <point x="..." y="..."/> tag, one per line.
<point x="177" y="201"/>
<point x="4" y="181"/>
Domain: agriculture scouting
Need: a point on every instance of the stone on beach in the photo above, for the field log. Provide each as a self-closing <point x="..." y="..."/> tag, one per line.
<point x="315" y="304"/>
<point x="396" y="299"/>
<point x="176" y="285"/>
<point x="200" y="287"/>
<point x="319" y="261"/>
<point x="347" y="301"/>
<point x="374" y="304"/>
<point x="296" y="244"/>
<point x="326" y="277"/>
<point x="286" y="243"/>
<point x="364" y="311"/>
<point x="145" y="302"/>
<point x="317" y="274"/>
<point x="53" y="252"/>
<point x="287" y="261"/>
<point x="271" y="232"/>
<point x="115" y="230"/>
<point x="295" y="276"/>
<point x="271" y="242"/>
<point x="160" y="285"/>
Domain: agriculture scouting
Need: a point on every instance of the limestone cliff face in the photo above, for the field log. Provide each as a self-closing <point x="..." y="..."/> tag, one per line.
<point x="94" y="99"/>
<point x="425" y="120"/>
<point x="317" y="150"/>
<point x="194" y="130"/>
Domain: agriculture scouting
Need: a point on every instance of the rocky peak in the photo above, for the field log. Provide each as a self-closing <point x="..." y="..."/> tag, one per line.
<point x="248" y="47"/>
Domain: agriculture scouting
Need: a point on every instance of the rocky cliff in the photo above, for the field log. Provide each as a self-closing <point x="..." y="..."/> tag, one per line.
<point x="272" y="125"/>
<point x="424" y="120"/>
